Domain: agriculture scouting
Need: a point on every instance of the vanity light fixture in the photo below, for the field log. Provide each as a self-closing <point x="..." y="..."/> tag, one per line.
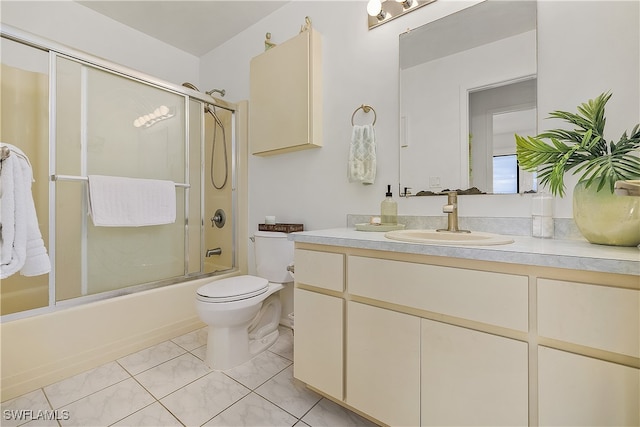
<point x="381" y="11"/>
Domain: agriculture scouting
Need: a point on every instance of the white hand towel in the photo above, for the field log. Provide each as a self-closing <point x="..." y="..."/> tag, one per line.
<point x="21" y="245"/>
<point x="362" y="155"/>
<point x="131" y="202"/>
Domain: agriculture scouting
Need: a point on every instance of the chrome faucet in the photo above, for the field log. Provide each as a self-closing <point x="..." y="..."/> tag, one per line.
<point x="215" y="251"/>
<point x="451" y="209"/>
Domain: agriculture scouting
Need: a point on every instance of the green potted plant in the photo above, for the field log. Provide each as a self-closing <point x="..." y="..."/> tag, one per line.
<point x="601" y="216"/>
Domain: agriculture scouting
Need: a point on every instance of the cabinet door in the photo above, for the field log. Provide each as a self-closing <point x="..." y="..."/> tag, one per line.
<point x="579" y="390"/>
<point x="383" y="364"/>
<point x="320" y="269"/>
<point x="596" y="316"/>
<point x="318" y="349"/>
<point x="472" y="378"/>
<point x="285" y="96"/>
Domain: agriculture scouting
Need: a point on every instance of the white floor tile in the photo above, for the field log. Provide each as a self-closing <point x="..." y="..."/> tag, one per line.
<point x="24" y="409"/>
<point x="82" y="385"/>
<point x="192" y="340"/>
<point x="259" y="369"/>
<point x="108" y="405"/>
<point x="289" y="393"/>
<point x="252" y="411"/>
<point x="150" y="357"/>
<point x="170" y="385"/>
<point x="173" y="374"/>
<point x="329" y="414"/>
<point x="200" y="352"/>
<point x="154" y="415"/>
<point x="284" y="344"/>
<point x="205" y="398"/>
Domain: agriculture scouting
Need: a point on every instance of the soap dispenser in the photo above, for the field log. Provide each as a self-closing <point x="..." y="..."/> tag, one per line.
<point x="389" y="209"/>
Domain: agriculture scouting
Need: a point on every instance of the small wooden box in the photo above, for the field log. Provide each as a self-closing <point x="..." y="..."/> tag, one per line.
<point x="282" y="228"/>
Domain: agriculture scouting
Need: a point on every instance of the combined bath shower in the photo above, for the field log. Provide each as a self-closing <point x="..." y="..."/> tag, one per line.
<point x="211" y="109"/>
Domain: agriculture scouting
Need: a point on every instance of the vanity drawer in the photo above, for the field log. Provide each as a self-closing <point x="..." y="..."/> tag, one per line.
<point x="320" y="269"/>
<point x="493" y="298"/>
<point x="595" y="316"/>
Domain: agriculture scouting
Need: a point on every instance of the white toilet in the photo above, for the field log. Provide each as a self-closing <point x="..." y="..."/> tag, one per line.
<point x="243" y="312"/>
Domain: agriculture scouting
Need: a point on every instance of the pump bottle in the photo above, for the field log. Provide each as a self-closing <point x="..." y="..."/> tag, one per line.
<point x="389" y="209"/>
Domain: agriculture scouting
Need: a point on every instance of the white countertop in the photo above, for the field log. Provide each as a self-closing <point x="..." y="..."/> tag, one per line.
<point x="570" y="254"/>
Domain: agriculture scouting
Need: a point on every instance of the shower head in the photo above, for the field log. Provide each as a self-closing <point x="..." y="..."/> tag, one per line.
<point x="212" y="91"/>
<point x="208" y="108"/>
<point x="190" y="86"/>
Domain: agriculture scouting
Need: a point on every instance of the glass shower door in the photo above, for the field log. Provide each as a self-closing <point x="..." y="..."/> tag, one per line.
<point x="126" y="129"/>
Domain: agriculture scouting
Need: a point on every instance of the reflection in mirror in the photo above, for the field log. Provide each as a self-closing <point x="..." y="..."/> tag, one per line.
<point x="495" y="115"/>
<point x="467" y="84"/>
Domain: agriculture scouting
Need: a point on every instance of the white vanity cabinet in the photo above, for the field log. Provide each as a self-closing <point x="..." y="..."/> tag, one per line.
<point x="285" y="96"/>
<point x="472" y="378"/>
<point x="319" y="321"/>
<point x="581" y="390"/>
<point x="383" y="364"/>
<point x="318" y="337"/>
<point x="414" y="339"/>
<point x="592" y="319"/>
<point x="451" y="375"/>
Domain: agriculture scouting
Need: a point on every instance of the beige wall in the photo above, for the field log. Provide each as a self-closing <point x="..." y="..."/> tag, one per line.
<point x="24" y="123"/>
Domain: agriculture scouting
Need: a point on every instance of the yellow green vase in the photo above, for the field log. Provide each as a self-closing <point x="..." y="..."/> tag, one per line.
<point x="605" y="218"/>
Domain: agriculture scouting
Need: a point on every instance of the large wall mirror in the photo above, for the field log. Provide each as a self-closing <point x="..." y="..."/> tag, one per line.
<point x="467" y="85"/>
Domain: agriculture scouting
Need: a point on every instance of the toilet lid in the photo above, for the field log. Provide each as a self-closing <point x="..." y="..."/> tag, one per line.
<point x="233" y="288"/>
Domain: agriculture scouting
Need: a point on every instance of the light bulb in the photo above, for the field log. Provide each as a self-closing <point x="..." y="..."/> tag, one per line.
<point x="406" y="4"/>
<point x="374" y="7"/>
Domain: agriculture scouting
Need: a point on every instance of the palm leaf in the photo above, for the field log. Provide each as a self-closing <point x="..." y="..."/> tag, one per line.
<point x="582" y="149"/>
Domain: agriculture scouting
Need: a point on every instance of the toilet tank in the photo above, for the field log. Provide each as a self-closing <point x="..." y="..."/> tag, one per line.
<point x="273" y="254"/>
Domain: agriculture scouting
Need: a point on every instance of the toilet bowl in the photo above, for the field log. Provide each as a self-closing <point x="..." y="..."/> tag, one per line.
<point x="243" y="312"/>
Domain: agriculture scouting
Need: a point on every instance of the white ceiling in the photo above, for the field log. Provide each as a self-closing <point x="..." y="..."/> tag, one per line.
<point x="192" y="26"/>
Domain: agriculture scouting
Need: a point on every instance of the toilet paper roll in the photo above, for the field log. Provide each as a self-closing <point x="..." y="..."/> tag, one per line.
<point x="269" y="219"/>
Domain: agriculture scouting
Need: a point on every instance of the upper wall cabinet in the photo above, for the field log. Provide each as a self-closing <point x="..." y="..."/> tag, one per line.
<point x="285" y="96"/>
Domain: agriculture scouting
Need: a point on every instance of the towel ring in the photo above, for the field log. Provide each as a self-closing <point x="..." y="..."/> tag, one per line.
<point x="366" y="108"/>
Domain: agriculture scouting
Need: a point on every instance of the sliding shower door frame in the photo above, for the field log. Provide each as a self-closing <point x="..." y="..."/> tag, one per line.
<point x="56" y="51"/>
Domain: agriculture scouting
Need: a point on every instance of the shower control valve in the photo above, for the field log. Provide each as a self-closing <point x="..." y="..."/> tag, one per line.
<point x="219" y="218"/>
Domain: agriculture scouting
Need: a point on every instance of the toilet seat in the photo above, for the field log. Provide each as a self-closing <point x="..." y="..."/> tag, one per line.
<point x="232" y="289"/>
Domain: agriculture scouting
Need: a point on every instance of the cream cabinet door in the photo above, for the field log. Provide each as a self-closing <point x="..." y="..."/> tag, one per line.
<point x="472" y="378"/>
<point x="579" y="390"/>
<point x="596" y="316"/>
<point x="383" y="364"/>
<point x="318" y="349"/>
<point x="285" y="96"/>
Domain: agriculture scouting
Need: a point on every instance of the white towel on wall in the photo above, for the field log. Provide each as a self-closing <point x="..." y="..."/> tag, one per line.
<point x="21" y="245"/>
<point x="362" y="155"/>
<point x="131" y="202"/>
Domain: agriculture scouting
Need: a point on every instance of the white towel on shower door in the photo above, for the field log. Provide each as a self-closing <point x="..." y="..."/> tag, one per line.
<point x="131" y="202"/>
<point x="362" y="155"/>
<point x="21" y="245"/>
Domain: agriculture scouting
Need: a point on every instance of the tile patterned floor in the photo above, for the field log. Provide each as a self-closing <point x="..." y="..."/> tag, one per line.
<point x="170" y="385"/>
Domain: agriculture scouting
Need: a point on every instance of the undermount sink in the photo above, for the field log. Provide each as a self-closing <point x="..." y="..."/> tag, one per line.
<point x="434" y="237"/>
